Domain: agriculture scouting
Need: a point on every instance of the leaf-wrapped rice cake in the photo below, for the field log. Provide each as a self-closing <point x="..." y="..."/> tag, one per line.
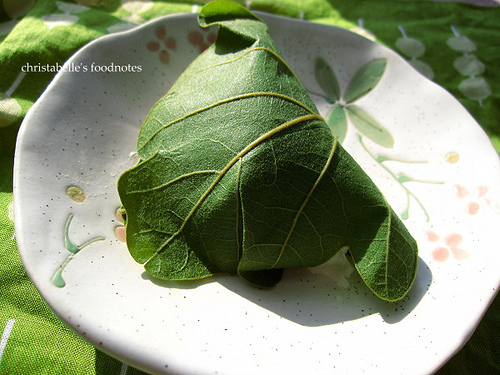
<point x="239" y="173"/>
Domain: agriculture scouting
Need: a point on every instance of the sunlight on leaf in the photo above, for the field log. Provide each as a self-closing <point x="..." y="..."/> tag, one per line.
<point x="365" y="79"/>
<point x="369" y="127"/>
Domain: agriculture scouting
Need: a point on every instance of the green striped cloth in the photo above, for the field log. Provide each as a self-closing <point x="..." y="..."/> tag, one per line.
<point x="454" y="44"/>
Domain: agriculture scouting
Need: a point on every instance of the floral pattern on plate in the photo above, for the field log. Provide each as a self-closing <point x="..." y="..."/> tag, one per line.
<point x="83" y="131"/>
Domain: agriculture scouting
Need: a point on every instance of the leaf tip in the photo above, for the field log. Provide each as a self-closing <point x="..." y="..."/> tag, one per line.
<point x="223" y="10"/>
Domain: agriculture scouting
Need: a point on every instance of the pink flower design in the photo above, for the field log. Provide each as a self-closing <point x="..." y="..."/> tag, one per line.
<point x="451" y="243"/>
<point x="120" y="230"/>
<point x="479" y="193"/>
<point x="202" y="40"/>
<point x="163" y="43"/>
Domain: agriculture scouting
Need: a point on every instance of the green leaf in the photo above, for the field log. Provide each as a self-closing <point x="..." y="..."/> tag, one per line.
<point x="369" y="127"/>
<point x="327" y="80"/>
<point x="383" y="266"/>
<point x="220" y="11"/>
<point x="249" y="179"/>
<point x="365" y="80"/>
<point x="337" y="121"/>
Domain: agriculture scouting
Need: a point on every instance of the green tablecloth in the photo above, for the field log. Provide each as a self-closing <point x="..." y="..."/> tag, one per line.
<point x="454" y="44"/>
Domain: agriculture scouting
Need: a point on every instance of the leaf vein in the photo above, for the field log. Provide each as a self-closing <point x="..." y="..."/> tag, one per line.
<point x="177" y="179"/>
<point x="224" y="101"/>
<point x="306" y="200"/>
<point x="233" y="161"/>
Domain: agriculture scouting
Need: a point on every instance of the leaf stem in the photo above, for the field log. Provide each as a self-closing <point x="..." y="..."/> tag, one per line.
<point x="400" y="181"/>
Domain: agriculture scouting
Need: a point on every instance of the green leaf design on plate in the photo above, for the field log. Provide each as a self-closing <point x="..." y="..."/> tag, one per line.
<point x="337" y="121"/>
<point x="370" y="127"/>
<point x="249" y="178"/>
<point x="327" y="80"/>
<point x="57" y="279"/>
<point x="365" y="80"/>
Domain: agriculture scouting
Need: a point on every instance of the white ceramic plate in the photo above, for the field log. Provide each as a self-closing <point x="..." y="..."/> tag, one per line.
<point x="441" y="172"/>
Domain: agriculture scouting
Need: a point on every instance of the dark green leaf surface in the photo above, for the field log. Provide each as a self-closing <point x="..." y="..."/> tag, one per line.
<point x="240" y="174"/>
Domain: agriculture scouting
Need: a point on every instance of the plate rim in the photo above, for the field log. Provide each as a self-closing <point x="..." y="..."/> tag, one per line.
<point x="24" y="128"/>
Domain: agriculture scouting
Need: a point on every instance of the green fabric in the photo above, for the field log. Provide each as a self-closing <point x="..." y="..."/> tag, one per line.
<point x="454" y="43"/>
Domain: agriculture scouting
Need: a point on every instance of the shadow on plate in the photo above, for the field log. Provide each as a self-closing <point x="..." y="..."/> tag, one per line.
<point x="312" y="299"/>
